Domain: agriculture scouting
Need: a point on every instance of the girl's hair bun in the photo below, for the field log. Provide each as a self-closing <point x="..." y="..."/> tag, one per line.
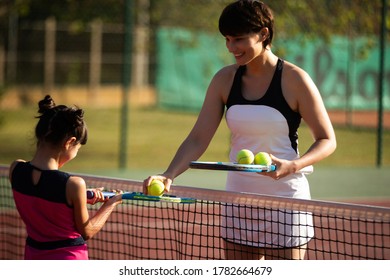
<point x="46" y="104"/>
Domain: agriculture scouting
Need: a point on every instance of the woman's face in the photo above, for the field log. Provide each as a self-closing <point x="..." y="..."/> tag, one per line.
<point x="244" y="47"/>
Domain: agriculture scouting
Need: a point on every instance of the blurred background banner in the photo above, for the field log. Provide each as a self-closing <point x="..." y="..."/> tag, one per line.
<point x="186" y="66"/>
<point x="345" y="69"/>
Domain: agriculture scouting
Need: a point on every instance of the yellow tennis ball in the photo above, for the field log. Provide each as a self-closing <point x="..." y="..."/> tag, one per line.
<point x="263" y="158"/>
<point x="156" y="188"/>
<point x="245" y="156"/>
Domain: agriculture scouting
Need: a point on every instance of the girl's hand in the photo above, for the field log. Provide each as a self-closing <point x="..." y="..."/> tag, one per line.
<point x="117" y="198"/>
<point x="97" y="196"/>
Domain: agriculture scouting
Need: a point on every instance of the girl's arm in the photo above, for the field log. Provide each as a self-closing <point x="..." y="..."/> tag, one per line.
<point x="88" y="226"/>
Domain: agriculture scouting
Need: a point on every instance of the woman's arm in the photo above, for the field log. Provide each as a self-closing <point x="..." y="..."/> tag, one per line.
<point x="303" y="96"/>
<point x="203" y="131"/>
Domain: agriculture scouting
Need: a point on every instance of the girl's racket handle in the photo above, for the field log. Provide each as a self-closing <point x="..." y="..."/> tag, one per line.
<point x="91" y="194"/>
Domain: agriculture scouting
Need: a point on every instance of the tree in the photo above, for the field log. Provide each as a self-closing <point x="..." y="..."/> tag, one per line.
<point x="308" y="18"/>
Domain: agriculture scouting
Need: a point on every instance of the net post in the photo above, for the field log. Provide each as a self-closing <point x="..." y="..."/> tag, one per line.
<point x="126" y="72"/>
<point x="381" y="80"/>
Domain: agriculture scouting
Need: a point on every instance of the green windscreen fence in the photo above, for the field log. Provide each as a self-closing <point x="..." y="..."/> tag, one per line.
<point x="346" y="70"/>
<point x="186" y="63"/>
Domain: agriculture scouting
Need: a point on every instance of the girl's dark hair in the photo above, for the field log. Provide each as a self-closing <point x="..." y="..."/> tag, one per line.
<point x="245" y="17"/>
<point x="59" y="123"/>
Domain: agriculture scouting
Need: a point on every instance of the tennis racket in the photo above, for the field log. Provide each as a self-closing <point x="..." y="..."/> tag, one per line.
<point x="231" y="166"/>
<point x="144" y="197"/>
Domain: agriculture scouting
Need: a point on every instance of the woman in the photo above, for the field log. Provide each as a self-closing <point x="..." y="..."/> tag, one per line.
<point x="265" y="99"/>
<point x="52" y="203"/>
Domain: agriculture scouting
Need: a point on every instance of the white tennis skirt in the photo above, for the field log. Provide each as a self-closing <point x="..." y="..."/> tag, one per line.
<point x="259" y="226"/>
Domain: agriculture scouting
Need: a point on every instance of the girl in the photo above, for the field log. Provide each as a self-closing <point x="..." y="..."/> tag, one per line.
<point x="52" y="203"/>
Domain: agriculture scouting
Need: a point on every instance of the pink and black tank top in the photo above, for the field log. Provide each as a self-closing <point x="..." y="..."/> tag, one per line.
<point x="44" y="209"/>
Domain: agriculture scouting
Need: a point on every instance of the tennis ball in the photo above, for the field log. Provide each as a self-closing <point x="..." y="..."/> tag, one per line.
<point x="245" y="156"/>
<point x="262" y="158"/>
<point x="156" y="188"/>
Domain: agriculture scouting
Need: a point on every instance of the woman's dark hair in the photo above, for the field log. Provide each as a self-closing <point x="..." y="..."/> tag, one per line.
<point x="245" y="17"/>
<point x="59" y="123"/>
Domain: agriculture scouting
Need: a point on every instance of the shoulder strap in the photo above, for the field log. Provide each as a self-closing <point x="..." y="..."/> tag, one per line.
<point x="235" y="91"/>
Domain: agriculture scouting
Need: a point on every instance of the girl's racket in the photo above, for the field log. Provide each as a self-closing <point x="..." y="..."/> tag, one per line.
<point x="144" y="197"/>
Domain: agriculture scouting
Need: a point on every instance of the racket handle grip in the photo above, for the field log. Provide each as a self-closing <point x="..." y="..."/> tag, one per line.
<point x="91" y="194"/>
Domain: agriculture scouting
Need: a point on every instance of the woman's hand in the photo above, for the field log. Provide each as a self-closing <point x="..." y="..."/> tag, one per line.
<point x="283" y="168"/>
<point x="166" y="181"/>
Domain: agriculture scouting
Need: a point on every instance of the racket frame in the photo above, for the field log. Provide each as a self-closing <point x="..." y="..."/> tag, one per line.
<point x="143" y="197"/>
<point x="231" y="166"/>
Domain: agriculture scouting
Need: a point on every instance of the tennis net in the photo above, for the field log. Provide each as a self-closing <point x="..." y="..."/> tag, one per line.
<point x="161" y="230"/>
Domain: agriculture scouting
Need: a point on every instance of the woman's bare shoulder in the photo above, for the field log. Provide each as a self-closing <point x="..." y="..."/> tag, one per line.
<point x="293" y="72"/>
<point x="227" y="71"/>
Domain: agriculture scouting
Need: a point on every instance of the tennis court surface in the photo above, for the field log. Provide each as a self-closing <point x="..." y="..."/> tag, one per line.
<point x="140" y="230"/>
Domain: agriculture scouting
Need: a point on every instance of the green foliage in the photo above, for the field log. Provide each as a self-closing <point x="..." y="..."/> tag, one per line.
<point x="303" y="19"/>
<point x="295" y="17"/>
<point x="326" y="18"/>
<point x="191" y="14"/>
<point x="71" y="10"/>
